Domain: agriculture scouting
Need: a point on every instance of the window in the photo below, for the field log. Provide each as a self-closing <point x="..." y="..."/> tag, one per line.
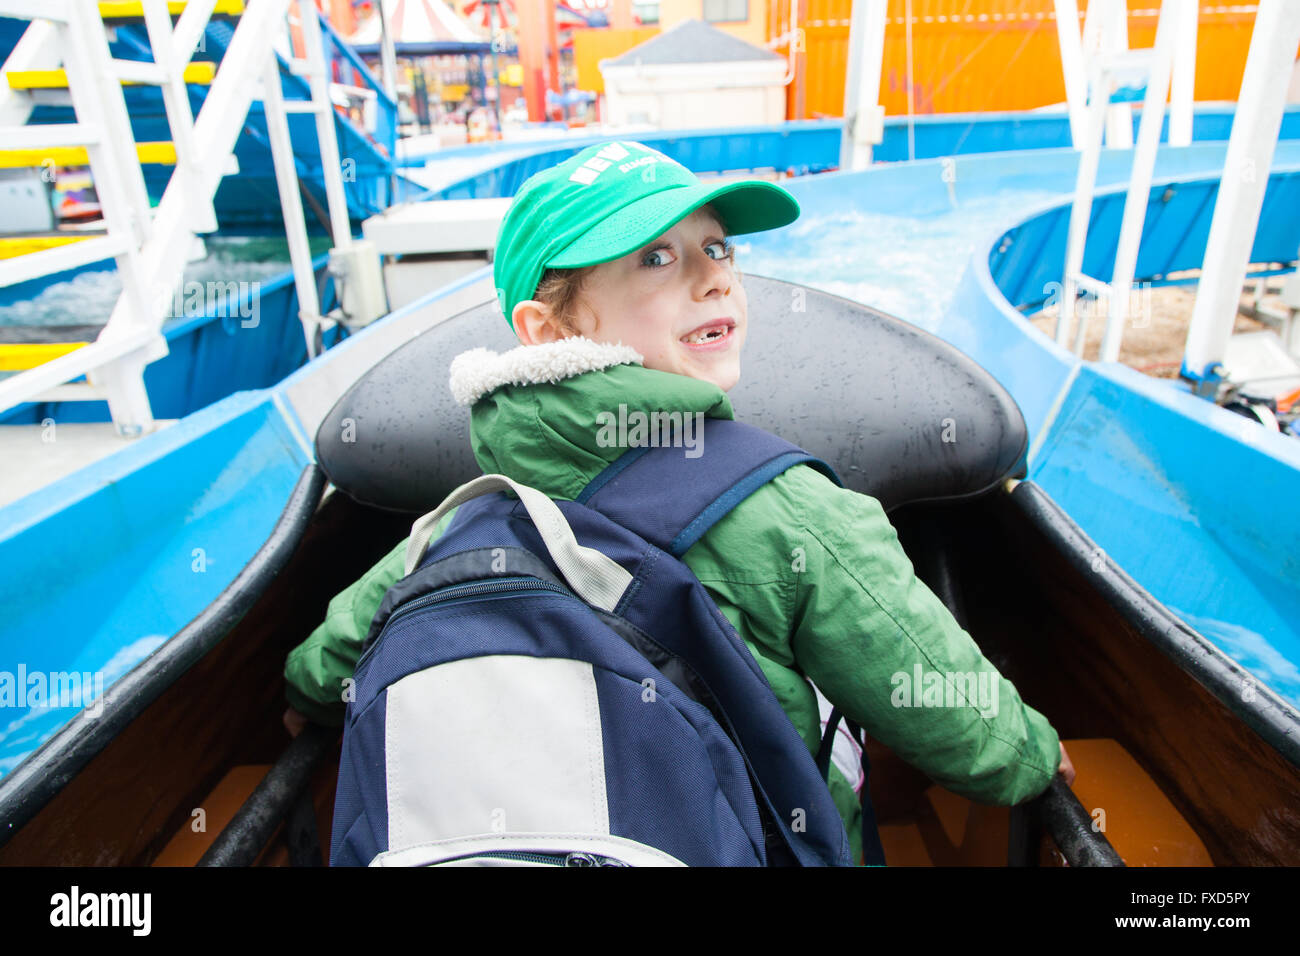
<point x="647" y="11"/>
<point x="725" y="11"/>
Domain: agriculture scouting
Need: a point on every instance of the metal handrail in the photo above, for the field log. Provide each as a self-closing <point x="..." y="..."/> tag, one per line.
<point x="244" y="838"/>
<point x="1058" y="812"/>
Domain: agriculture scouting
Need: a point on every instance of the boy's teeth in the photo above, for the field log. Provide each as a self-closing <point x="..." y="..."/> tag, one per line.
<point x="705" y="336"/>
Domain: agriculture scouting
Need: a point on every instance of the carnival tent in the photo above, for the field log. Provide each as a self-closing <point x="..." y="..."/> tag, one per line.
<point x="419" y="28"/>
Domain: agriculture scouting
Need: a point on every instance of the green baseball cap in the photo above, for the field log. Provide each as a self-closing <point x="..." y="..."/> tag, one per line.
<point x="608" y="201"/>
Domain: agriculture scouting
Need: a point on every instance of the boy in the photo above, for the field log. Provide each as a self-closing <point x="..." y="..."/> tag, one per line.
<point x="615" y="270"/>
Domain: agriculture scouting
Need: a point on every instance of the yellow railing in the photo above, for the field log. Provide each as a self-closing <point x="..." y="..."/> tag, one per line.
<point x="21" y="357"/>
<point x="163" y="154"/>
<point x="200" y="74"/>
<point x="134" y="9"/>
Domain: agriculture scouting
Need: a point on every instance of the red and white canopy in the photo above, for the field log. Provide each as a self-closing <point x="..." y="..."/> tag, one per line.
<point x="416" y="21"/>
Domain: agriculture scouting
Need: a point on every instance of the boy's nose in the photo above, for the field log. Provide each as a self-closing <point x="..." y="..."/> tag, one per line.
<point x="716" y="274"/>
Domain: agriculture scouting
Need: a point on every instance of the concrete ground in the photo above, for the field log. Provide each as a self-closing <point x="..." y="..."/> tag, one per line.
<point x="1156" y="331"/>
<point x="42" y="454"/>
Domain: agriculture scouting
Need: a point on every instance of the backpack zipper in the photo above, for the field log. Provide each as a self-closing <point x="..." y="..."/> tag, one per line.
<point x="459" y="592"/>
<point x="456" y="592"/>
<point x="549" y="859"/>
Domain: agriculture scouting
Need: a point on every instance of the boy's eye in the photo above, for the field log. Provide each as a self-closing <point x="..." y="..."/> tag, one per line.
<point x="657" y="257"/>
<point x="662" y="255"/>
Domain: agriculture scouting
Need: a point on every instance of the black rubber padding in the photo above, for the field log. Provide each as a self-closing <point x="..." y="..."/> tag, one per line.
<point x="898" y="413"/>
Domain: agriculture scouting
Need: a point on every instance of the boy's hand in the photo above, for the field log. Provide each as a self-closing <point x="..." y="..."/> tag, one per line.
<point x="1066" y="769"/>
<point x="294" y="722"/>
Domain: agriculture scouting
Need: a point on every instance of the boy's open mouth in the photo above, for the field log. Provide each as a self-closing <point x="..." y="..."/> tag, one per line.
<point x="710" y="335"/>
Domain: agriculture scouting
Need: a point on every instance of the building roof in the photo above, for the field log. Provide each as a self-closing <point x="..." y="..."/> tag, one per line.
<point x="692" y="41"/>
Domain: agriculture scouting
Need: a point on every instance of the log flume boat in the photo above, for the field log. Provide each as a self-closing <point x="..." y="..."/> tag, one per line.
<point x="1182" y="758"/>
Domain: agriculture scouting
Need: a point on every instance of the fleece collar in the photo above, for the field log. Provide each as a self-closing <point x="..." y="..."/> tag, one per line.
<point x="480" y="372"/>
<point x="537" y="410"/>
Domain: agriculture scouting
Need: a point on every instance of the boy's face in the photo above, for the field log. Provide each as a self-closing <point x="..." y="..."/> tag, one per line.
<point x="677" y="300"/>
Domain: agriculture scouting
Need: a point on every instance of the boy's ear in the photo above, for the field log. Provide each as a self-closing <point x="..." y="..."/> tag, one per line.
<point x="535" y="324"/>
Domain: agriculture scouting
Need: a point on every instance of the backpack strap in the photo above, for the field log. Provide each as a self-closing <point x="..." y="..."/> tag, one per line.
<point x="689" y="495"/>
<point x="597" y="579"/>
<point x="873" y="851"/>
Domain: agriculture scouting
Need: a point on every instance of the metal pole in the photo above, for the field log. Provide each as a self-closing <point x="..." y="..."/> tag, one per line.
<point x="286" y="179"/>
<point x="1241" y="190"/>
<point x="1182" y="95"/>
<point x="911" y="99"/>
<point x="1076" y="79"/>
<point x="1114" y="41"/>
<point x="387" y="56"/>
<point x="863" y="115"/>
<point x="492" y="7"/>
<point x="1094" y="121"/>
<point x="331" y="167"/>
<point x="1139" y="186"/>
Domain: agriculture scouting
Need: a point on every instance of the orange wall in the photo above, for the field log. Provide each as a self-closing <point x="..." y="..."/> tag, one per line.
<point x="974" y="55"/>
<point x="592" y="46"/>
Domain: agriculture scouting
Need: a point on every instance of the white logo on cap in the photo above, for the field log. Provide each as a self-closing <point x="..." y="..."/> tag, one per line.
<point x="586" y="174"/>
<point x="590" y="171"/>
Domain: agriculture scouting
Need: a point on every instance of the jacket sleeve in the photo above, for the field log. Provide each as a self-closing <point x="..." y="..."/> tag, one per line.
<point x="887" y="652"/>
<point x="316" y="668"/>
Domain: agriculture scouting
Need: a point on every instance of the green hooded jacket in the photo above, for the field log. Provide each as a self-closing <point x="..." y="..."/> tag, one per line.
<point x="811" y="575"/>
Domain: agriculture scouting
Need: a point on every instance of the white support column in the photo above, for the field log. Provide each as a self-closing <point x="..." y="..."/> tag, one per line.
<point x="1139" y="185"/>
<point x="286" y="179"/>
<point x="1245" y="176"/>
<point x="387" y="54"/>
<point x="1182" y="97"/>
<point x="331" y="168"/>
<point x="128" y="401"/>
<point x="1114" y="42"/>
<point x="863" y="115"/>
<point x="1072" y="68"/>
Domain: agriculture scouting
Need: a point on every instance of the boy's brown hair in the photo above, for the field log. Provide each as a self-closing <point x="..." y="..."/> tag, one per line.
<point x="560" y="291"/>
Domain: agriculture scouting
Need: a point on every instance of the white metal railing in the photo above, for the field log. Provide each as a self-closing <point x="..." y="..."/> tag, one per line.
<point x="151" y="247"/>
<point x="104" y="129"/>
<point x="1255" y="128"/>
<point x="1115" y="77"/>
<point x="141" y="240"/>
<point x="313" y="69"/>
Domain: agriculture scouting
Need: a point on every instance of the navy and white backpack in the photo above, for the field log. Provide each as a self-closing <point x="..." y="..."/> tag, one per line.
<point x="551" y="685"/>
